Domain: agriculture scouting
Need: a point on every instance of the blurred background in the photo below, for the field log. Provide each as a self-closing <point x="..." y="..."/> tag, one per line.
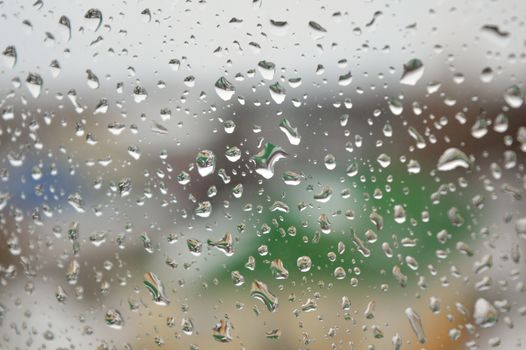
<point x="383" y="141"/>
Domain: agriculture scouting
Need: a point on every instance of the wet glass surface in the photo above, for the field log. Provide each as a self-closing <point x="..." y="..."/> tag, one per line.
<point x="262" y="174"/>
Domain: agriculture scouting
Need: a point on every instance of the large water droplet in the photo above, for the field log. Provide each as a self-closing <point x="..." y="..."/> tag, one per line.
<point x="277" y="92"/>
<point x="93" y="19"/>
<point x="224" y="89"/>
<point x="453" y="158"/>
<point x="10" y="56"/>
<point x="156" y="289"/>
<point x="485" y="314"/>
<point x="34" y="84"/>
<point x="291" y="132"/>
<point x="259" y="291"/>
<point x="267" y="69"/>
<point x="267" y="158"/>
<point x="221" y="331"/>
<point x="206" y="162"/>
<point x="413" y="71"/>
<point x="513" y="96"/>
<point x="416" y="324"/>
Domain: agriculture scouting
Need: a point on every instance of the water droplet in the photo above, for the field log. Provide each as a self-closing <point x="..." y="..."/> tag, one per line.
<point x="134" y="152"/>
<point x="113" y="319"/>
<point x="147" y="15"/>
<point x="453" y="158"/>
<point x="233" y="154"/>
<point x="267" y="158"/>
<point x="495" y="32"/>
<point x="291" y="178"/>
<point x="273" y="334"/>
<point x="318" y="31"/>
<point x="304" y="263"/>
<point x="513" y="96"/>
<point x="187" y="326"/>
<point x="174" y="64"/>
<point x="225" y="245"/>
<point x="10" y="56"/>
<point x="397" y="342"/>
<point x="325" y="195"/>
<point x="34" y="84"/>
<point x="501" y="123"/>
<point x="97" y="238"/>
<point x="224" y="89"/>
<point x="204" y="209"/>
<point x="384" y="160"/>
<point x="278" y="269"/>
<point x="237" y="278"/>
<point x="330" y="161"/>
<point x="259" y="291"/>
<point x="413" y="71"/>
<point x="277" y="92"/>
<point x="194" y="246"/>
<point x="139" y="94"/>
<point x="73" y="271"/>
<point x="339" y="273"/>
<point x="266" y="69"/>
<point x="395" y="106"/>
<point x="399" y="214"/>
<point x="156" y="289"/>
<point x="65" y="22"/>
<point x="60" y="294"/>
<point x="291" y="132"/>
<point x="221" y="331"/>
<point x="486" y="76"/>
<point x="309" y="306"/>
<point x="101" y="107"/>
<point x="345" y="79"/>
<point x="485" y="314"/>
<point x="94" y="19"/>
<point x="206" y="162"/>
<point x="416" y="324"/>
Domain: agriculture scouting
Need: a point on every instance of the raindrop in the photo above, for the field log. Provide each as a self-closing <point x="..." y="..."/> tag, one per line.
<point x="277" y="92"/>
<point x="94" y="19"/>
<point x="206" y="162"/>
<point x="65" y="22"/>
<point x="413" y="71"/>
<point x="395" y="105"/>
<point x="259" y="291"/>
<point x="266" y="159"/>
<point x="345" y="79"/>
<point x="304" y="263"/>
<point x="291" y="132"/>
<point x="221" y="331"/>
<point x="156" y="289"/>
<point x="34" y="84"/>
<point x="113" y="319"/>
<point x="485" y="314"/>
<point x="10" y="56"/>
<point x="453" y="158"/>
<point x="513" y="96"/>
<point x="266" y="69"/>
<point x="225" y="245"/>
<point x="416" y="324"/>
<point x="224" y="89"/>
